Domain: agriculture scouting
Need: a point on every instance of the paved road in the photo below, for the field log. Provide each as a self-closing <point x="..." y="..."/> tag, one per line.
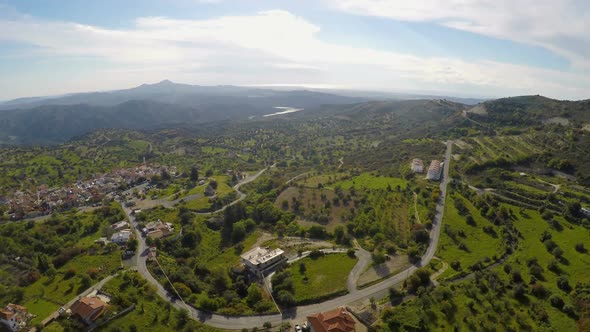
<point x="237" y="189"/>
<point x="299" y="313"/>
<point x="360" y="266"/>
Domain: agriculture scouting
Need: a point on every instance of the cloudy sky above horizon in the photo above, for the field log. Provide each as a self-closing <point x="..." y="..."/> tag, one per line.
<point x="468" y="48"/>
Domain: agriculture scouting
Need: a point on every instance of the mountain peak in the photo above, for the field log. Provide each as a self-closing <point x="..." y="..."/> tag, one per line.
<point x="165" y="82"/>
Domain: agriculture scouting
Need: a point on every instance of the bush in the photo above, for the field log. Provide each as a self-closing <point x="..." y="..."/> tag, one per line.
<point x="315" y="254"/>
<point x="351" y="253"/>
<point x="569" y="310"/>
<point x="564" y="284"/>
<point x="456" y="265"/>
<point x="516" y="277"/>
<point x="580" y="248"/>
<point x="70" y="273"/>
<point x="556" y="301"/>
<point x="553" y="266"/>
<point x="539" y="290"/>
<point x="557" y="252"/>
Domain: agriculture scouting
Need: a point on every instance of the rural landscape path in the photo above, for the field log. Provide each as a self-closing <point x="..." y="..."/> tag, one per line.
<point x="96" y="286"/>
<point x="299" y="313"/>
<point x="364" y="259"/>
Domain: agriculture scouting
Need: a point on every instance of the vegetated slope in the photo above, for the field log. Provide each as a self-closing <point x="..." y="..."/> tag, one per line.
<point x="533" y="110"/>
<point x="57" y="123"/>
<point x="392" y="122"/>
<point x="162" y="105"/>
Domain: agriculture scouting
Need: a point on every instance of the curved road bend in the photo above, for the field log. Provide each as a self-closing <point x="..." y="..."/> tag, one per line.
<point x="299" y="313"/>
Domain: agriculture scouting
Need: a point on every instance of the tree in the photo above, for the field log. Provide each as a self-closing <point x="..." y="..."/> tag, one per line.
<point x="238" y="232"/>
<point x="580" y="248"/>
<point x="564" y="284"/>
<point x="424" y="275"/>
<point x="132" y="244"/>
<point x="302" y="268"/>
<point x="254" y="295"/>
<point x="286" y="298"/>
<point x="194" y="174"/>
<point x="182" y="289"/>
<point x="556" y="301"/>
<point x="557" y="252"/>
<point x="182" y="319"/>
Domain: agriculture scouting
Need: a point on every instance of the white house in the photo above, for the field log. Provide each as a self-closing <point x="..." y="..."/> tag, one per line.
<point x="120" y="225"/>
<point x="417" y="165"/>
<point x="435" y="170"/>
<point x="260" y="260"/>
<point x="122" y="237"/>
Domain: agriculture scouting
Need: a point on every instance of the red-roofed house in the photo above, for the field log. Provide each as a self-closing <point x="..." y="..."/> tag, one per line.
<point x="88" y="309"/>
<point x="14" y="316"/>
<point x="337" y="320"/>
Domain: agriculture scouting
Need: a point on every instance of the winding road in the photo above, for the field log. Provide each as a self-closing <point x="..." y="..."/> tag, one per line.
<point x="299" y="313"/>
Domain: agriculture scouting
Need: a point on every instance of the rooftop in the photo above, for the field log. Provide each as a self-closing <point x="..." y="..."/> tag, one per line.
<point x="260" y="255"/>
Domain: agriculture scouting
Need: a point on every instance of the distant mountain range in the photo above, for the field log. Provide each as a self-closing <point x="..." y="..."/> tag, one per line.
<point x="49" y="120"/>
<point x="53" y="120"/>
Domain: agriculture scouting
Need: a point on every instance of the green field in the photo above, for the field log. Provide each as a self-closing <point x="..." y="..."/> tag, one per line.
<point x="372" y="182"/>
<point x="325" y="275"/>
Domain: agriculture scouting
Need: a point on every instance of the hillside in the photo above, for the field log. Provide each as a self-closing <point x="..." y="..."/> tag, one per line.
<point x="149" y="106"/>
<point x="531" y="110"/>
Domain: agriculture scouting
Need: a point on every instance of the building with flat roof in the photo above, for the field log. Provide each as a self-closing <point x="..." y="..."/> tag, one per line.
<point x="435" y="170"/>
<point x="260" y="260"/>
<point x="122" y="237"/>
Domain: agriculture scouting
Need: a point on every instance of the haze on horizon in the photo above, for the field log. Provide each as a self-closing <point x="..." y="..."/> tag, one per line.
<point x="474" y="48"/>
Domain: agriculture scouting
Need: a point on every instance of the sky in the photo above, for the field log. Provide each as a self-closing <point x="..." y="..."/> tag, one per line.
<point x="464" y="48"/>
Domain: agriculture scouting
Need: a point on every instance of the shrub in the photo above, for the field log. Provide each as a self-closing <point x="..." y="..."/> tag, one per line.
<point x="564" y="284"/>
<point x="553" y="266"/>
<point x="557" y="252"/>
<point x="315" y="254"/>
<point x="70" y="273"/>
<point x="556" y="301"/>
<point x="569" y="310"/>
<point x="351" y="253"/>
<point x="516" y="276"/>
<point x="580" y="248"/>
<point x="456" y="265"/>
<point x="539" y="290"/>
<point x="549" y="245"/>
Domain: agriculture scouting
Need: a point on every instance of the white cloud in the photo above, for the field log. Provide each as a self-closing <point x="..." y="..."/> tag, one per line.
<point x="560" y="26"/>
<point x="271" y="47"/>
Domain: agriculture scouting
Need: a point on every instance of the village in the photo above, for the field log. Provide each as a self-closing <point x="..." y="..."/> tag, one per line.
<point x="42" y="200"/>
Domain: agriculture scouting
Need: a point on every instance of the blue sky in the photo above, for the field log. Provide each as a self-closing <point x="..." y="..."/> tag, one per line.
<point x="475" y="48"/>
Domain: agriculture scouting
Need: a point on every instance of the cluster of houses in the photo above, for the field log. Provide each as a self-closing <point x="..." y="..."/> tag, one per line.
<point x="14" y="317"/>
<point x="43" y="200"/>
<point x="434" y="172"/>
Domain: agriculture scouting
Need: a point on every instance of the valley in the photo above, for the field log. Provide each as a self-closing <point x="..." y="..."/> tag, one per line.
<point x="501" y="236"/>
